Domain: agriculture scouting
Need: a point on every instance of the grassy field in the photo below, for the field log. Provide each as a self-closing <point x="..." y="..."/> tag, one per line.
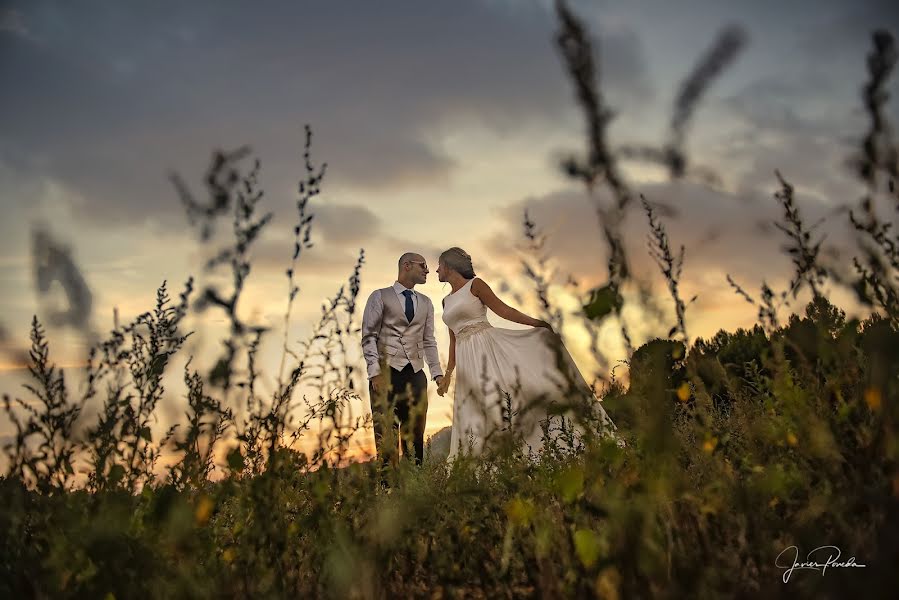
<point x="749" y="444"/>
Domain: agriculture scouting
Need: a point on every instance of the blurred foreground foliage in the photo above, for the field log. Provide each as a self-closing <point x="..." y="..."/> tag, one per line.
<point x="745" y="445"/>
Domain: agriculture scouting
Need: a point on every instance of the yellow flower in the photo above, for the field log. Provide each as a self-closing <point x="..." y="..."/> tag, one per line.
<point x="709" y="444"/>
<point x="791" y="438"/>
<point x="588" y="546"/>
<point x="228" y="555"/>
<point x="873" y="398"/>
<point x="683" y="392"/>
<point x="520" y="512"/>
<point x="608" y="582"/>
<point x="204" y="510"/>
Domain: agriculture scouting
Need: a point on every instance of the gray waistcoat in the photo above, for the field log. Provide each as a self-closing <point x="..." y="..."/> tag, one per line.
<point x="400" y="341"/>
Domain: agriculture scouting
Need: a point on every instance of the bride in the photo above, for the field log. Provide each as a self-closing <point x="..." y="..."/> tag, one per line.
<point x="523" y="381"/>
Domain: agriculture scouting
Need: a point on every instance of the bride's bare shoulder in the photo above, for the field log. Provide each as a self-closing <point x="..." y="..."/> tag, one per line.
<point x="478" y="285"/>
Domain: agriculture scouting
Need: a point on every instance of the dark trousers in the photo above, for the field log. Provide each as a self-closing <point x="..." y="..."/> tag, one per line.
<point x="402" y="411"/>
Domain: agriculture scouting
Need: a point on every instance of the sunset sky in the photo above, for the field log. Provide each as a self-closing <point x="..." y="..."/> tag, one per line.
<point x="440" y="123"/>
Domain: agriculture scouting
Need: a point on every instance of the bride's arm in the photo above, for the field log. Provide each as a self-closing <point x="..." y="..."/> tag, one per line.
<point x="452" y="353"/>
<point x="480" y="289"/>
<point x="450" y="366"/>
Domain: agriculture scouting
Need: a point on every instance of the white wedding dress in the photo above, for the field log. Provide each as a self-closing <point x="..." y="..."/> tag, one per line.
<point x="507" y="379"/>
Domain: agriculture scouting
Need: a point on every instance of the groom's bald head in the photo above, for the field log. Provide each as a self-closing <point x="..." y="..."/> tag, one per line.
<point x="409" y="257"/>
<point x="412" y="269"/>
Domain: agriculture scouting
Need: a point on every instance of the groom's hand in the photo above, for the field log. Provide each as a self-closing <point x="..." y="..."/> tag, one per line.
<point x="376" y="384"/>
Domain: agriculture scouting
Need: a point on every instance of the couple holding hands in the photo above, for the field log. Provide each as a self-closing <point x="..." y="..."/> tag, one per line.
<point x="522" y="381"/>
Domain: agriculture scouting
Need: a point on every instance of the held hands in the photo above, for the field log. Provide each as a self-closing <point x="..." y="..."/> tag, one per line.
<point x="443" y="383"/>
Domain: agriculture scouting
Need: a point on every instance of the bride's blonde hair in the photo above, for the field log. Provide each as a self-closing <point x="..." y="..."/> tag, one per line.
<point x="459" y="261"/>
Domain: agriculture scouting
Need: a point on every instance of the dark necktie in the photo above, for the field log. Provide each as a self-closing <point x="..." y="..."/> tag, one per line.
<point x="410" y="310"/>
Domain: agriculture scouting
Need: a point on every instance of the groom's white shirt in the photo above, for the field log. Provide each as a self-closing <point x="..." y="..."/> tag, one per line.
<point x="399" y="288"/>
<point x="386" y="329"/>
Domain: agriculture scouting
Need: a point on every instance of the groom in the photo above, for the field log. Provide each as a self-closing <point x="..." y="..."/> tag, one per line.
<point x="397" y="333"/>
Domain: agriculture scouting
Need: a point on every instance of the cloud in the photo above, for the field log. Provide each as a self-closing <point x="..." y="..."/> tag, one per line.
<point x="115" y="98"/>
<point x="721" y="233"/>
<point x="397" y="246"/>
<point x="790" y="126"/>
<point x="389" y="161"/>
<point x="775" y="104"/>
<point x="845" y="33"/>
<point x="344" y="225"/>
<point x="13" y="22"/>
<point x="269" y="257"/>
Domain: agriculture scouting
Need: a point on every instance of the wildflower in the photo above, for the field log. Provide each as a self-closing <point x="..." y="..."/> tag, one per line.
<point x="873" y="398"/>
<point x="608" y="582"/>
<point x="683" y="392"/>
<point x="588" y="546"/>
<point x="204" y="510"/>
<point x="709" y="444"/>
<point x="519" y="511"/>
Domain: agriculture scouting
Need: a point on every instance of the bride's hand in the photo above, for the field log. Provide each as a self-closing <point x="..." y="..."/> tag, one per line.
<point x="443" y="386"/>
